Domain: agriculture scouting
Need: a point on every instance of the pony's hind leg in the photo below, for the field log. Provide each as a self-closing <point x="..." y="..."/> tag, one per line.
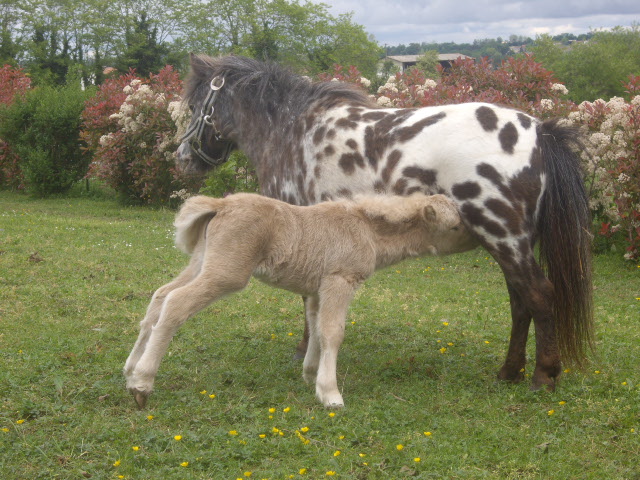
<point x="513" y="368"/>
<point x="154" y="308"/>
<point x="531" y="295"/>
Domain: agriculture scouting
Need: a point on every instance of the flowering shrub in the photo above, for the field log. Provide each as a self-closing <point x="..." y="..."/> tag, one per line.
<point x="612" y="159"/>
<point x="519" y="83"/>
<point x="132" y="127"/>
<point x="13" y="81"/>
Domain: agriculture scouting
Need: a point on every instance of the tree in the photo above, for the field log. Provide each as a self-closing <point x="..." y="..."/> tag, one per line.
<point x="428" y="64"/>
<point x="594" y="69"/>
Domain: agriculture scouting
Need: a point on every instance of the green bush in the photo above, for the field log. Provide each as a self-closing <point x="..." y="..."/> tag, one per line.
<point x="235" y="175"/>
<point x="43" y="129"/>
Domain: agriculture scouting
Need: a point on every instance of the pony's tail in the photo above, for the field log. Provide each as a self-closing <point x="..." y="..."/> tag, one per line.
<point x="193" y="217"/>
<point x="564" y="227"/>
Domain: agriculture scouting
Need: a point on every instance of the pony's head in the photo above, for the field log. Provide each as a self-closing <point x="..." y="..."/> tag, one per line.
<point x="206" y="143"/>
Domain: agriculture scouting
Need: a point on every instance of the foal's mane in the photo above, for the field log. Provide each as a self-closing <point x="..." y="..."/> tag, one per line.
<point x="267" y="86"/>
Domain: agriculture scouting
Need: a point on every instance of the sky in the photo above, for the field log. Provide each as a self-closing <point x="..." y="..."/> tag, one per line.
<point x="394" y="22"/>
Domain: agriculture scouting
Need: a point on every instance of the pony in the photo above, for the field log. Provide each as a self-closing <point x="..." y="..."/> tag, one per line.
<point x="516" y="181"/>
<point x="324" y="251"/>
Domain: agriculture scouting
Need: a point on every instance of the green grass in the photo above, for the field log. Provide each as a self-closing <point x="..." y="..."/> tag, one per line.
<point x="76" y="276"/>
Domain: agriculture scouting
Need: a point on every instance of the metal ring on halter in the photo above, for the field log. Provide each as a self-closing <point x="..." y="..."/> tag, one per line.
<point x="207" y="118"/>
<point x="216" y="87"/>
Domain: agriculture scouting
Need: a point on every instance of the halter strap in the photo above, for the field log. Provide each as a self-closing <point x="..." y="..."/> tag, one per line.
<point x="195" y="132"/>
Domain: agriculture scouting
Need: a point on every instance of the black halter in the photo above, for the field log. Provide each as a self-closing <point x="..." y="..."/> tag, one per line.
<point x="195" y="132"/>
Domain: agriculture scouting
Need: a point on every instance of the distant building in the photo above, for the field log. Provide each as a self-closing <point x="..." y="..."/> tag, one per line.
<point x="403" y="62"/>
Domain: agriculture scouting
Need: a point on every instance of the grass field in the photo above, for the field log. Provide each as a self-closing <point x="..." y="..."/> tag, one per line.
<point x="423" y="345"/>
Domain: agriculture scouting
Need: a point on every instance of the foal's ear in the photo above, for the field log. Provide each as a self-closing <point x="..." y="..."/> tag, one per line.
<point x="429" y="213"/>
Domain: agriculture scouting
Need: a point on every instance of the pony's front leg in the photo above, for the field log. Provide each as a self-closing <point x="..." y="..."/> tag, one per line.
<point x="335" y="296"/>
<point x="312" y="350"/>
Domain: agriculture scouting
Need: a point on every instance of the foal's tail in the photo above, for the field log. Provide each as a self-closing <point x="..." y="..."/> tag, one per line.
<point x="193" y="216"/>
<point x="564" y="226"/>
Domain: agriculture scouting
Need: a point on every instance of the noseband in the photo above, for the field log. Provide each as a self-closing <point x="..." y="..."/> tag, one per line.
<point x="195" y="132"/>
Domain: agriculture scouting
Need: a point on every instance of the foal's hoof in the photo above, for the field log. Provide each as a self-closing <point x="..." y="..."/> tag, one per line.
<point x="140" y="398"/>
<point x="548" y="383"/>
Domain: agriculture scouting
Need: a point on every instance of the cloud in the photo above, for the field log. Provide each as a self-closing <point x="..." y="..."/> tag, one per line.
<point x="407" y="21"/>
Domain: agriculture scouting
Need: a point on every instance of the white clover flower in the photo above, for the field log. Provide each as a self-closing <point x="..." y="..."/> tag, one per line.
<point x="365" y="81"/>
<point x="560" y="88"/>
<point x="143" y="145"/>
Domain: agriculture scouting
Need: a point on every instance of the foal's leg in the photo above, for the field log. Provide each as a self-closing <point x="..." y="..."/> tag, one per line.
<point x="154" y="308"/>
<point x="335" y="295"/>
<point x="216" y="280"/>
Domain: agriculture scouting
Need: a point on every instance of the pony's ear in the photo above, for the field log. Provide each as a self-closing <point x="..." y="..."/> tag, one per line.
<point x="429" y="214"/>
<point x="198" y="61"/>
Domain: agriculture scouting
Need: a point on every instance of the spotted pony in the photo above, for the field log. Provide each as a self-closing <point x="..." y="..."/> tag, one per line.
<point x="515" y="180"/>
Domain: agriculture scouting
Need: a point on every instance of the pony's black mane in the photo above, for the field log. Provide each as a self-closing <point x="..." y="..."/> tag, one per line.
<point x="267" y="86"/>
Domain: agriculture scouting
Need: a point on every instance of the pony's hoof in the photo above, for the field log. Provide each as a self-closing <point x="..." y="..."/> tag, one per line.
<point x="548" y="383"/>
<point x="511" y="375"/>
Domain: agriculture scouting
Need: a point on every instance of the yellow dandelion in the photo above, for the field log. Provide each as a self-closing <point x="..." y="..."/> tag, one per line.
<point x="487" y="342"/>
<point x="562" y="402"/>
<point x="302" y="471"/>
<point x="203" y="392"/>
<point x="362" y="455"/>
<point x="272" y="410"/>
<point x="446" y="324"/>
<point x="116" y="463"/>
<point x="633" y="430"/>
<point x="330" y="473"/>
<point x="304" y="429"/>
<point x="290" y="334"/>
<point x="20" y="422"/>
<point x="262" y="435"/>
<point x="597" y="372"/>
<point x="443" y="350"/>
<point x="135" y="449"/>
<point x="5" y="430"/>
<point x="286" y="409"/>
<point x="273" y="336"/>
<point x="184" y="464"/>
<point x="567" y="370"/>
<point x="337" y="453"/>
<point x="624" y="383"/>
<point x="275" y="430"/>
<point x="149" y="417"/>
<point x="417" y="459"/>
<point x="177" y="438"/>
<point x="233" y="432"/>
<point x="332" y="414"/>
<point x="551" y="412"/>
<point x="427" y="434"/>
<point x="399" y="447"/>
<point x="247" y="474"/>
<point x="450" y="344"/>
<point x="213" y="395"/>
<point x="341" y="437"/>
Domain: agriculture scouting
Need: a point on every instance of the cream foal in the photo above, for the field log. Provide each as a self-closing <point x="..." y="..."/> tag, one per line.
<point x="323" y="252"/>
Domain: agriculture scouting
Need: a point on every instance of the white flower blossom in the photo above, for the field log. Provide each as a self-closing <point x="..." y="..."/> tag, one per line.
<point x="560" y="88"/>
<point x="384" y="101"/>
